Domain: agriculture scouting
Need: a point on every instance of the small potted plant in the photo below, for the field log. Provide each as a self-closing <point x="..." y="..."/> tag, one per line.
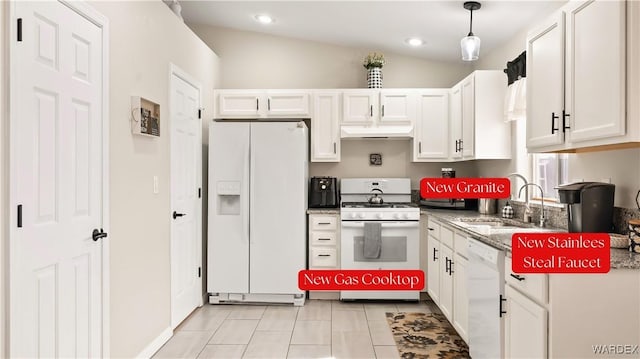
<point x="373" y="63"/>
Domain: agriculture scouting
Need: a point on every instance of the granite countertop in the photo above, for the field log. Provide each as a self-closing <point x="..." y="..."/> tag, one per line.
<point x="323" y="211"/>
<point x="501" y="239"/>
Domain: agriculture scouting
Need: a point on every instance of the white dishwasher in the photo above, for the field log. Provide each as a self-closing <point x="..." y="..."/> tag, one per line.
<point x="485" y="280"/>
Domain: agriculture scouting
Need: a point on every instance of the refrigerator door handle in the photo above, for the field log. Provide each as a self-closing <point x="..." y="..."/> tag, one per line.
<point x="251" y="161"/>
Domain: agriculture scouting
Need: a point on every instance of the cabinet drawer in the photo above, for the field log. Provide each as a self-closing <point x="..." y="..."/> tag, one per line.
<point x="433" y="228"/>
<point x="446" y="236"/>
<point x="323" y="238"/>
<point x="323" y="257"/>
<point x="324" y="222"/>
<point x="461" y="242"/>
<point x="533" y="285"/>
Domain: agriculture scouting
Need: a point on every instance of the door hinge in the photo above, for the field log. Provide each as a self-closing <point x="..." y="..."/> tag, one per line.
<point x="199" y="192"/>
<point x="19" y="216"/>
<point x="199" y="272"/>
<point x="19" y="29"/>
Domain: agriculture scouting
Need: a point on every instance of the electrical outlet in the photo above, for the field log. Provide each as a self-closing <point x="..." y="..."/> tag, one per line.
<point x="155" y="185"/>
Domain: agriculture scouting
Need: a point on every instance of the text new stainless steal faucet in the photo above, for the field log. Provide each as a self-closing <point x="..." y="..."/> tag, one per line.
<point x="524" y="179"/>
<point x="542" y="219"/>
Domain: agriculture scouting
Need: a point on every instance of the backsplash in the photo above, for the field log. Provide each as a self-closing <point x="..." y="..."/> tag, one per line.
<point x="557" y="216"/>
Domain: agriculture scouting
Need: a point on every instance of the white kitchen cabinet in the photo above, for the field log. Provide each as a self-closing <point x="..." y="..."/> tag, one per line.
<point x="577" y="100"/>
<point x="525" y="326"/>
<point x="478" y="130"/>
<point x="446" y="282"/>
<point x="325" y="127"/>
<point x="431" y="134"/>
<point x="257" y="104"/>
<point x="378" y="107"/>
<point x="460" y="296"/>
<point x="433" y="260"/>
<point x="359" y="106"/>
<point x="324" y="248"/>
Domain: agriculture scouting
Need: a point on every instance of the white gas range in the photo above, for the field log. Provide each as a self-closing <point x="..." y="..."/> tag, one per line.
<point x="394" y="244"/>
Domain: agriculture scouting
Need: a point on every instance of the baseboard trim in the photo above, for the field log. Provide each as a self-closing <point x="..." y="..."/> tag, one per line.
<point x="156" y="344"/>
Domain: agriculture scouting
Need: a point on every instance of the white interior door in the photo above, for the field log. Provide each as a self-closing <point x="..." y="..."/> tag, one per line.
<point x="57" y="179"/>
<point x="186" y="167"/>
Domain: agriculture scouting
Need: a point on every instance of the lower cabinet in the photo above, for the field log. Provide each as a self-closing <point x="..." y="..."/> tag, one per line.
<point x="447" y="274"/>
<point x="525" y="327"/>
<point x="446" y="282"/>
<point x="324" y="248"/>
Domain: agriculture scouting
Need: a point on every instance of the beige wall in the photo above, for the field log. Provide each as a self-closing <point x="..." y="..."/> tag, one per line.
<point x="4" y="170"/>
<point x="253" y="60"/>
<point x="145" y="38"/>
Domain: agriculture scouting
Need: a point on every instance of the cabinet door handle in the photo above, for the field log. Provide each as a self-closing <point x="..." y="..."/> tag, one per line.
<point x="324" y="255"/>
<point x="450" y="267"/>
<point x="434" y="254"/>
<point x="564" y="121"/>
<point x="446" y="264"/>
<point x="553" y="122"/>
<point x="371" y="111"/>
<point x="334" y="149"/>
<point x="431" y="229"/>
<point x="324" y="223"/>
<point x="257" y="104"/>
<point x="461" y="146"/>
<point x="456" y="146"/>
<point x="382" y="110"/>
<point x="519" y="278"/>
<point x="502" y="299"/>
<point x="420" y="147"/>
<point x="324" y="239"/>
<point x="269" y="104"/>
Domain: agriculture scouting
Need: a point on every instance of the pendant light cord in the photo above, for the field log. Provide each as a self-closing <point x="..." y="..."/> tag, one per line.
<point x="471" y="24"/>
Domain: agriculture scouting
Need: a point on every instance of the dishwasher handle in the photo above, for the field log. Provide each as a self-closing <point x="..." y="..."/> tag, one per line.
<point x="518" y="277"/>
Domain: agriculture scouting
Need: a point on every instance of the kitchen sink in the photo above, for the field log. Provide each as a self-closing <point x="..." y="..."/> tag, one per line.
<point x="497" y="225"/>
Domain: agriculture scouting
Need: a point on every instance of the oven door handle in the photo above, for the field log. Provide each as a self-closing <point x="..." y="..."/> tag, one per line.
<point x="408" y="224"/>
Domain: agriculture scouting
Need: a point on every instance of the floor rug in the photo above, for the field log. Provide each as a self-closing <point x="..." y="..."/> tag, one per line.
<point x="426" y="335"/>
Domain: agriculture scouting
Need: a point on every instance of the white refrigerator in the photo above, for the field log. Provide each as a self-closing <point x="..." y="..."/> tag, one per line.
<point x="258" y="174"/>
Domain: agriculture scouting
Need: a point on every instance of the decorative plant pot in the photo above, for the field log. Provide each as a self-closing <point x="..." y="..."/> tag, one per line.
<point x="374" y="78"/>
<point x="634" y="235"/>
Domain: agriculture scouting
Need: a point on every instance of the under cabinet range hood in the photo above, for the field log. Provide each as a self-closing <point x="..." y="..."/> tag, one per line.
<point x="396" y="132"/>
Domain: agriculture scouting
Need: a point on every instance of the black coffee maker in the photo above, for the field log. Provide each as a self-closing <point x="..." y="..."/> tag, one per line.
<point x="589" y="206"/>
<point x="323" y="192"/>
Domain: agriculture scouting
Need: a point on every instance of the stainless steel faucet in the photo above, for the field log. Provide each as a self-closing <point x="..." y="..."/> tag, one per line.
<point x="542" y="218"/>
<point x="524" y="179"/>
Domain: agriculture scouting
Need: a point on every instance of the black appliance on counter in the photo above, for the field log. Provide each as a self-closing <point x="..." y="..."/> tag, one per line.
<point x="449" y="203"/>
<point x="589" y="206"/>
<point x="323" y="192"/>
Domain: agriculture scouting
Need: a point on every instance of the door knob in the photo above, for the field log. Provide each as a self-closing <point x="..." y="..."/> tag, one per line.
<point x="176" y="214"/>
<point x="98" y="234"/>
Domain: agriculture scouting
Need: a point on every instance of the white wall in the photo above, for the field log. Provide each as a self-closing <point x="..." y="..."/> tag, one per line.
<point x="254" y="60"/>
<point x="145" y="38"/>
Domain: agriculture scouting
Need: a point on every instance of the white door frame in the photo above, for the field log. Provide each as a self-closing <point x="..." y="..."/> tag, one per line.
<point x="88" y="12"/>
<point x="185" y="76"/>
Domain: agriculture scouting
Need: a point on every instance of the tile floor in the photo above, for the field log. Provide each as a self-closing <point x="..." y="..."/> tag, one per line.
<point x="319" y="329"/>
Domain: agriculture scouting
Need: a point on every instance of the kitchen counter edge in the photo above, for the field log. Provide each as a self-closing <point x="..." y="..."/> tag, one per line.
<point x="323" y="211"/>
<point x="620" y="258"/>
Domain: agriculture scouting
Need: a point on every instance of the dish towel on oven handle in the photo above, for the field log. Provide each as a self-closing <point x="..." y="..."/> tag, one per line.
<point x="372" y="240"/>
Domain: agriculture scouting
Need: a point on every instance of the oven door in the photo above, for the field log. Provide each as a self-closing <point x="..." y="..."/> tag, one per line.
<point x="399" y="250"/>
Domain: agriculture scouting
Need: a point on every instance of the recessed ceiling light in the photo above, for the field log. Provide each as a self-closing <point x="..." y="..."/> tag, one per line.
<point x="264" y="19"/>
<point x="414" y="41"/>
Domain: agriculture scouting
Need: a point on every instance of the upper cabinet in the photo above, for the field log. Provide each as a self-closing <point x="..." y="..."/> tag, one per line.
<point x="431" y="135"/>
<point x="576" y="78"/>
<point x="378" y="107"/>
<point x="478" y="130"/>
<point x="325" y="127"/>
<point x="256" y="104"/>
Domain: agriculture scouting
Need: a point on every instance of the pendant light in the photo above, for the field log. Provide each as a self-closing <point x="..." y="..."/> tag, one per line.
<point x="470" y="45"/>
